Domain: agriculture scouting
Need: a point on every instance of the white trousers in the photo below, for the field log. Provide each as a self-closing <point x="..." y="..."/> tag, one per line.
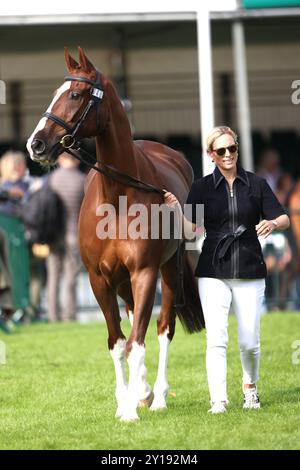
<point x="246" y="296"/>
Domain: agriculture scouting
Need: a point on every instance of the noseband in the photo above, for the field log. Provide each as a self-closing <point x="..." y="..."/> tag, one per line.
<point x="69" y="140"/>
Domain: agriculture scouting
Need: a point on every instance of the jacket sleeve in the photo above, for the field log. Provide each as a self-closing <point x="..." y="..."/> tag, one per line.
<point x="271" y="207"/>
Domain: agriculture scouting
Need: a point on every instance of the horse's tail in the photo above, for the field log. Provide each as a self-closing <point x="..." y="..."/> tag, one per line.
<point x="190" y="311"/>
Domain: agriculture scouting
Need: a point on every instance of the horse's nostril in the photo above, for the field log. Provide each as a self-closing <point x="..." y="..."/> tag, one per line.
<point x="38" y="146"/>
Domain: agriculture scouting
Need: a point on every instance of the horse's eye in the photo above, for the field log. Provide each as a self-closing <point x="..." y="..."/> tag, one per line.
<point x="75" y="95"/>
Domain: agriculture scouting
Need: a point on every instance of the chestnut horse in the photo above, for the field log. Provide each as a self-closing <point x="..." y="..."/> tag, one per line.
<point x="294" y="213"/>
<point x="87" y="105"/>
<point x="293" y="205"/>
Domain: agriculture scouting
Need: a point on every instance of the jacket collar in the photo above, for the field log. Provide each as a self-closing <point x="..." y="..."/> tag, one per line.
<point x="241" y="174"/>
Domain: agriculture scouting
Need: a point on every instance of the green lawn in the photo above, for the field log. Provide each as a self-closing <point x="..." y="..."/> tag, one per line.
<point x="57" y="392"/>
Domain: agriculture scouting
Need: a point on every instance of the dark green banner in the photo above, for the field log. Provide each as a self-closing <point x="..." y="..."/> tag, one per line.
<point x="270" y="3"/>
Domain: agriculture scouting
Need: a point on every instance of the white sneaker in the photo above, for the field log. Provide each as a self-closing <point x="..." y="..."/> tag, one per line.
<point x="251" y="398"/>
<point x="218" y="407"/>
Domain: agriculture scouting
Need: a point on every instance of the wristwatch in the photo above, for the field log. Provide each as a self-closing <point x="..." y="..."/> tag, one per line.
<point x="274" y="222"/>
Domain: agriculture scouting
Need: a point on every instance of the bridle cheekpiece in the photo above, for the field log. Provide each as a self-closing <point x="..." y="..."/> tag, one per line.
<point x="69" y="140"/>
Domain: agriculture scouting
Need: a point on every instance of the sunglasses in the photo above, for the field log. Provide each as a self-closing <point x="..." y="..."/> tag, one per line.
<point x="222" y="150"/>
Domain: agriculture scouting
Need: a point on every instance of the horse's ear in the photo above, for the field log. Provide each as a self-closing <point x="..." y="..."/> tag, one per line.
<point x="71" y="63"/>
<point x="84" y="62"/>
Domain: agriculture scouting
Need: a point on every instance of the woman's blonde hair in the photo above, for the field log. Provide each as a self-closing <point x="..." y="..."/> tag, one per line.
<point x="217" y="132"/>
<point x="10" y="164"/>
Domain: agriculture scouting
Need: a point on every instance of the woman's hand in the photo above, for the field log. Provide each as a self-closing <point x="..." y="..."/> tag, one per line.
<point x="189" y="229"/>
<point x="264" y="228"/>
<point x="170" y="199"/>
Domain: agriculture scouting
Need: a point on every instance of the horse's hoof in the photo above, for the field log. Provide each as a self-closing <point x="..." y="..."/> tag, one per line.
<point x="147" y="402"/>
<point x="158" y="405"/>
<point x="158" y="408"/>
<point x="130" y="418"/>
<point x="118" y="414"/>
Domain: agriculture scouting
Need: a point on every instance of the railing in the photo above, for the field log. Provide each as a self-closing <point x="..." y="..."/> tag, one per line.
<point x="166" y="104"/>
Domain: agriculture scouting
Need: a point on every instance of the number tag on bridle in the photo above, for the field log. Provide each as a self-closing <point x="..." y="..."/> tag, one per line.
<point x="97" y="93"/>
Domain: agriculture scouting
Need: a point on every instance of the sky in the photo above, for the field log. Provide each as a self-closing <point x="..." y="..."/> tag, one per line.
<point x="32" y="7"/>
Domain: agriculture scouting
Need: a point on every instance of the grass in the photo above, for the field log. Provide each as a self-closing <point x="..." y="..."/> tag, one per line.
<point x="57" y="392"/>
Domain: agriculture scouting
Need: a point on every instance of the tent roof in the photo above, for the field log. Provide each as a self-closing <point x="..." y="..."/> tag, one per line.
<point x="56" y="11"/>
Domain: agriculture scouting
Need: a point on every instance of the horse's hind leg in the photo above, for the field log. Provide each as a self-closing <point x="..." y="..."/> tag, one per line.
<point x="165" y="333"/>
<point x="107" y="300"/>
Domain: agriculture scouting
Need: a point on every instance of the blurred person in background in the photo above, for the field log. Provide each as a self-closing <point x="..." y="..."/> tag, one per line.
<point x="284" y="187"/>
<point x="64" y="258"/>
<point x="14" y="185"/>
<point x="280" y="249"/>
<point x="14" y="181"/>
<point x="279" y="261"/>
<point x="269" y="167"/>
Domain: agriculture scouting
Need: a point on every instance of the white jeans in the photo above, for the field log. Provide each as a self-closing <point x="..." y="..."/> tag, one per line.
<point x="247" y="297"/>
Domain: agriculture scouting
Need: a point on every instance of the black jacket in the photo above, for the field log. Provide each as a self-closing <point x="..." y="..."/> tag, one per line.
<point x="231" y="249"/>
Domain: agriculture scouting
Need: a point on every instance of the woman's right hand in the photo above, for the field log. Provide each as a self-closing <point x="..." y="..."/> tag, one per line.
<point x="170" y="199"/>
<point x="189" y="229"/>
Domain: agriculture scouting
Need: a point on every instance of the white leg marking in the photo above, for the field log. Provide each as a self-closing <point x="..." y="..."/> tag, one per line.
<point x="144" y="388"/>
<point x="161" y="386"/>
<point x="43" y="121"/>
<point x="130" y="316"/>
<point x="118" y="356"/>
<point x="135" y="361"/>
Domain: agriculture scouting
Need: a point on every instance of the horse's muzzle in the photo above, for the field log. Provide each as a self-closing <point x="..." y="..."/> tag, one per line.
<point x="43" y="153"/>
<point x="38" y="147"/>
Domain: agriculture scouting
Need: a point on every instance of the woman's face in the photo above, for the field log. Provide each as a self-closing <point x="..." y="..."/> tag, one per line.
<point x="224" y="152"/>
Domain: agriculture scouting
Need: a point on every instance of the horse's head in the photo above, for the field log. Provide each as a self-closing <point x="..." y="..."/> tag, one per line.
<point x="79" y="109"/>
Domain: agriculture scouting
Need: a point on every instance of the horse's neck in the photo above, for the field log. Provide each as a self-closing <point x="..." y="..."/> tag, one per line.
<point x="115" y="144"/>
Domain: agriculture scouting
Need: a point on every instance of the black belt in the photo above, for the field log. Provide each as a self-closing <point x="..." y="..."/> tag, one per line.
<point x="225" y="240"/>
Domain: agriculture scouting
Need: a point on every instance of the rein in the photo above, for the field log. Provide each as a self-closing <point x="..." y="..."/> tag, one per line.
<point x="116" y="175"/>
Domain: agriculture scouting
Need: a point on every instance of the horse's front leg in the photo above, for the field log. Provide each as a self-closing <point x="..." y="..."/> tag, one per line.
<point x="143" y="288"/>
<point x="107" y="300"/>
<point x="145" y="392"/>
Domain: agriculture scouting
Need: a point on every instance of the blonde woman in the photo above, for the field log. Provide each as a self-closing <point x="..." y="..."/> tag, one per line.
<point x="238" y="208"/>
<point x="13" y="170"/>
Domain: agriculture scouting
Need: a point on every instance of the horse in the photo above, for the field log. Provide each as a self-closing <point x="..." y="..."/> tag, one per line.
<point x="294" y="211"/>
<point x="293" y="203"/>
<point x="87" y="105"/>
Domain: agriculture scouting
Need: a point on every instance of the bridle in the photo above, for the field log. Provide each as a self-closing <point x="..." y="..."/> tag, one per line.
<point x="69" y="140"/>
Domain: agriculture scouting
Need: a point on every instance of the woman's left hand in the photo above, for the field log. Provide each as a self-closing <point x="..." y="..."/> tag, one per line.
<point x="264" y="228"/>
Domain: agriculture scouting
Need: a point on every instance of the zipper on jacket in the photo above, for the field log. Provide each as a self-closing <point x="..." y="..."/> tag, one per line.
<point x="232" y="209"/>
<point x="236" y="242"/>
